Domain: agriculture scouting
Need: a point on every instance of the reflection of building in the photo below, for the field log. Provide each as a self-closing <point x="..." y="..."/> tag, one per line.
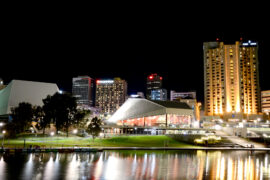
<point x="183" y="95"/>
<point x="146" y="113"/>
<point x="159" y="94"/>
<point x="110" y="94"/>
<point x="231" y="79"/>
<point x="265" y="102"/>
<point x="82" y="89"/>
<point x="18" y="91"/>
<point x="154" y="81"/>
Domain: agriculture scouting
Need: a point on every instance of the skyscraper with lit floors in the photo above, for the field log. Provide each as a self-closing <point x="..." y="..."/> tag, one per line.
<point x="110" y="94"/>
<point x="231" y="83"/>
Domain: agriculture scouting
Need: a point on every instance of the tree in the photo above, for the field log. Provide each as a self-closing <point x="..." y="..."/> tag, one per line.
<point x="60" y="109"/>
<point x="22" y="117"/>
<point x="39" y="118"/>
<point x="94" y="127"/>
<point x="82" y="118"/>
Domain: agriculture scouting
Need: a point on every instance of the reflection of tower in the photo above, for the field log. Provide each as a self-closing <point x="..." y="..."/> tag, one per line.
<point x="154" y="81"/>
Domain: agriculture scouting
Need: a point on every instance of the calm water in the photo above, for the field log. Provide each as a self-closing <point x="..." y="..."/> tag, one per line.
<point x="120" y="165"/>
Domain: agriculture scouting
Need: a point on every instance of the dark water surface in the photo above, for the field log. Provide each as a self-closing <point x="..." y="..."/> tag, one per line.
<point x="118" y="165"/>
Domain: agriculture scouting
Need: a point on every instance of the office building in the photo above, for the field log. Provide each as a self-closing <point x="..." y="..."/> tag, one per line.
<point x="190" y="99"/>
<point x="83" y="90"/>
<point x="265" y="102"/>
<point x="154" y="81"/>
<point x="231" y="79"/>
<point x="159" y="94"/>
<point x="175" y="96"/>
<point x="110" y="94"/>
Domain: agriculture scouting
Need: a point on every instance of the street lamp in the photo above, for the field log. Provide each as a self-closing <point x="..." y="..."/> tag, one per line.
<point x="3" y="132"/>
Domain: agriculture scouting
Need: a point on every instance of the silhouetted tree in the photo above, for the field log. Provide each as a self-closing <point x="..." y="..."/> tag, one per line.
<point x="60" y="109"/>
<point x="94" y="127"/>
<point x="22" y="117"/>
<point x="82" y="118"/>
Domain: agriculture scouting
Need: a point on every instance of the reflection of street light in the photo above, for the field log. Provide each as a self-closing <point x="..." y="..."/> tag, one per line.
<point x="3" y="132"/>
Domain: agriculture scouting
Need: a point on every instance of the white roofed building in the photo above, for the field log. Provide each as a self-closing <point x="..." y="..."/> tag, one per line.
<point x="18" y="91"/>
<point x="145" y="113"/>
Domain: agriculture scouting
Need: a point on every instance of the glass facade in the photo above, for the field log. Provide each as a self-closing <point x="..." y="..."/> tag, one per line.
<point x="82" y="89"/>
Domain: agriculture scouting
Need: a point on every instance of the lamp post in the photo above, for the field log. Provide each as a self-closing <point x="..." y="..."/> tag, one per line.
<point x="3" y="132"/>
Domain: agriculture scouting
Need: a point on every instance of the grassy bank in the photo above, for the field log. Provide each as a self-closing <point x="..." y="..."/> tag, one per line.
<point x="123" y="141"/>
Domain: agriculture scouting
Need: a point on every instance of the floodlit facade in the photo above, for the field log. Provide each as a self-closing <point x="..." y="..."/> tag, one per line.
<point x="18" y="91"/>
<point x="153" y="82"/>
<point x="83" y="90"/>
<point x="110" y="94"/>
<point x="265" y="102"/>
<point x="231" y="79"/>
<point x="146" y="113"/>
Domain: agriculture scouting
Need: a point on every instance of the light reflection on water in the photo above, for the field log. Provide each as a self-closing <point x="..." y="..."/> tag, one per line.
<point x="117" y="165"/>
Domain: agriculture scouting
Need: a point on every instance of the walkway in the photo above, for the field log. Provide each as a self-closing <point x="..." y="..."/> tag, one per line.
<point x="240" y="141"/>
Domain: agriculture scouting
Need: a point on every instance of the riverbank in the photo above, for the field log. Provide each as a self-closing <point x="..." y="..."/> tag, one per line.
<point x="101" y="149"/>
<point x="32" y="142"/>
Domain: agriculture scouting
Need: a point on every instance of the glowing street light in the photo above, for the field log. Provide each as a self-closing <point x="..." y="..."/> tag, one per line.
<point x="3" y="132"/>
<point x="75" y="131"/>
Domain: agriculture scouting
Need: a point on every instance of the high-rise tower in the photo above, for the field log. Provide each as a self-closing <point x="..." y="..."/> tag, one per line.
<point x="154" y="82"/>
<point x="231" y="79"/>
<point x="82" y="89"/>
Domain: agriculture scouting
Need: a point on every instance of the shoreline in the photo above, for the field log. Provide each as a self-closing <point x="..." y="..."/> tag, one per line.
<point x="101" y="149"/>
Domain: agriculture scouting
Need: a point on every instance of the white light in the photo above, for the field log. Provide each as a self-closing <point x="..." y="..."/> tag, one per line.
<point x="1" y="124"/>
<point x="253" y="43"/>
<point x="217" y="127"/>
<point x="105" y="81"/>
<point x="52" y="133"/>
<point x="60" y="92"/>
<point x="245" y="44"/>
<point x="241" y="125"/>
<point x="3" y="131"/>
<point x="75" y="131"/>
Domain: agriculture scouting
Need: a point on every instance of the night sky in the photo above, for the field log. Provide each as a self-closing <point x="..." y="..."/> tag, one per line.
<point x="55" y="48"/>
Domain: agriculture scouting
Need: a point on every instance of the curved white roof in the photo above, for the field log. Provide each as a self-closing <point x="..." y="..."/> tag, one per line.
<point x="137" y="107"/>
<point x="19" y="91"/>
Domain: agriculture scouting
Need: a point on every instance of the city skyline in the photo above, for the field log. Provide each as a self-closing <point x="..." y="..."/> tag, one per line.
<point x="173" y="80"/>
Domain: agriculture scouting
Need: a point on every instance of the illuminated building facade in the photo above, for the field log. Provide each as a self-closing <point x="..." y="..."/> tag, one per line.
<point x="265" y="102"/>
<point x="83" y="90"/>
<point x="231" y="79"/>
<point x="154" y="82"/>
<point x="110" y="94"/>
<point x="159" y="94"/>
<point x="146" y="113"/>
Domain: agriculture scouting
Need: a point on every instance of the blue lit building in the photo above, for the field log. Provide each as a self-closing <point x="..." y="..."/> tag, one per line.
<point x="159" y="95"/>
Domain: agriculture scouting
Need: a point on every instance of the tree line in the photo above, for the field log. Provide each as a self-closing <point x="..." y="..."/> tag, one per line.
<point x="59" y="109"/>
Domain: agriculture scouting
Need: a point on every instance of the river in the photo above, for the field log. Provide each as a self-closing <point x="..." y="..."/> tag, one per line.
<point x="121" y="165"/>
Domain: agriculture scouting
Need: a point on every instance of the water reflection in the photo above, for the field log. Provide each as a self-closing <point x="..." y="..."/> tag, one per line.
<point x="137" y="165"/>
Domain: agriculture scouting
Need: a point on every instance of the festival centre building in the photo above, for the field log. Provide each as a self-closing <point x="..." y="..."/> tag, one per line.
<point x="143" y="113"/>
<point x="18" y="91"/>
